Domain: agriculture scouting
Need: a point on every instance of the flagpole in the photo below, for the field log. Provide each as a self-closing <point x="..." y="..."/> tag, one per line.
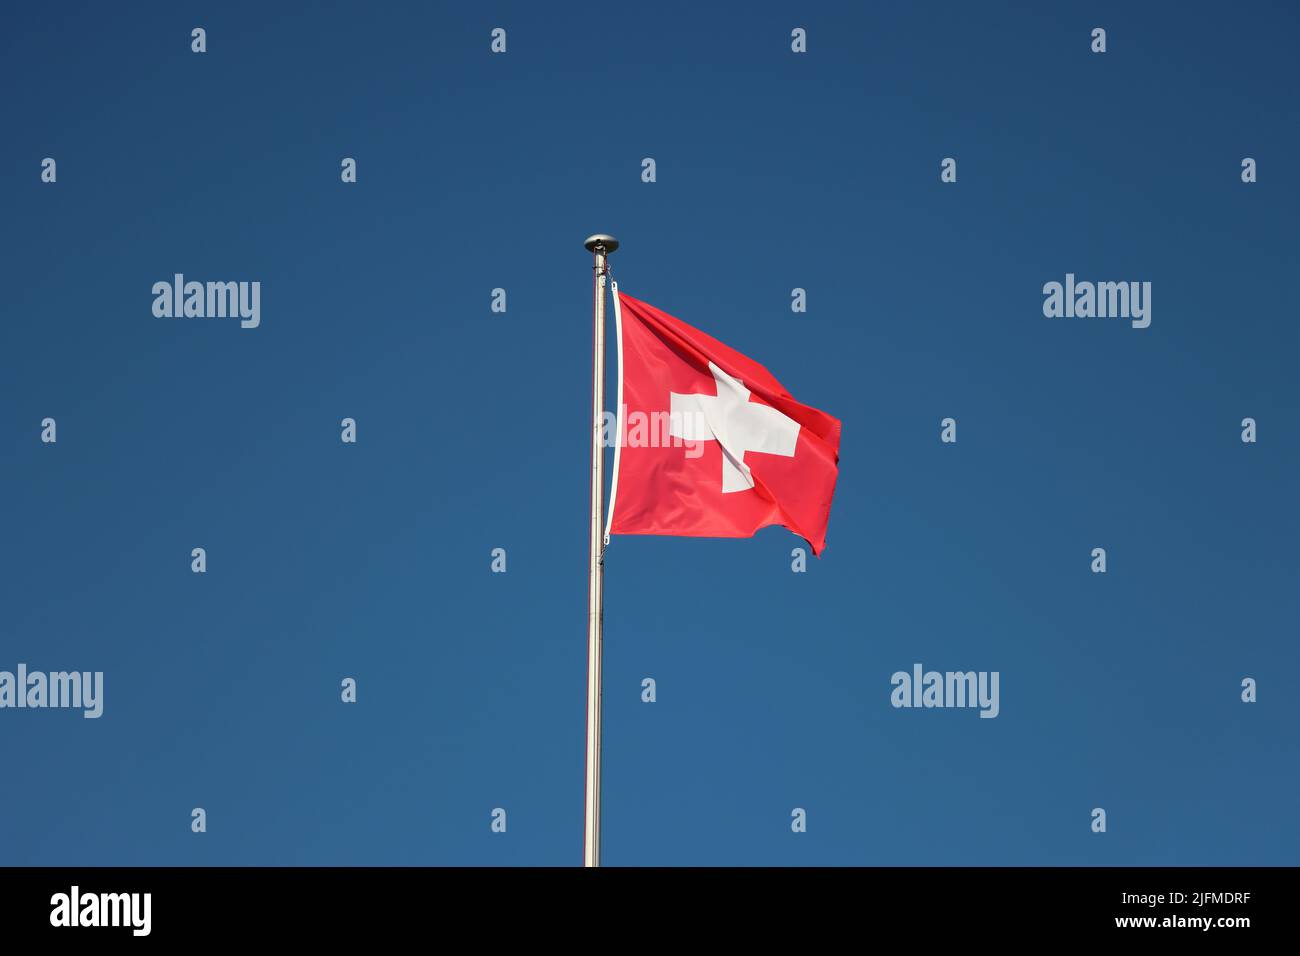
<point x="599" y="246"/>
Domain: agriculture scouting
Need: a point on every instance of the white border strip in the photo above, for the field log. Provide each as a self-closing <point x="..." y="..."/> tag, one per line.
<point x="618" y="417"/>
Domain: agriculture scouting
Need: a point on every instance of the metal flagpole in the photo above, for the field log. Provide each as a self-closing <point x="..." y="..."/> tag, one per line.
<point x="600" y="246"/>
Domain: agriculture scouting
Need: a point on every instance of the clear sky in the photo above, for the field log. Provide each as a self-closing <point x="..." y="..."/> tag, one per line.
<point x="775" y="170"/>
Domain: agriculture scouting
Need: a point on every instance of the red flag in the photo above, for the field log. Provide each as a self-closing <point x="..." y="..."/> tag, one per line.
<point x="712" y="445"/>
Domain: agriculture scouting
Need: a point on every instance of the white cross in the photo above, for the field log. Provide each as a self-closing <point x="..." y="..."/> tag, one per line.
<point x="737" y="424"/>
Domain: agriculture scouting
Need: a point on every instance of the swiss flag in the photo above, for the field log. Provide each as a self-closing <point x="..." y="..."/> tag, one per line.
<point x="712" y="445"/>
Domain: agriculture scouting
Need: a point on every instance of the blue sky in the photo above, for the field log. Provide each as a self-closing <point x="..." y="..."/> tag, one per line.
<point x="774" y="171"/>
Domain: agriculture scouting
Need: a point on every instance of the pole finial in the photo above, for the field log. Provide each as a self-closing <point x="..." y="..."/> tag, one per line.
<point x="601" y="243"/>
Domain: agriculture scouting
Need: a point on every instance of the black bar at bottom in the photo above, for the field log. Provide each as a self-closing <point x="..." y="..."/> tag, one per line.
<point x="338" y="905"/>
